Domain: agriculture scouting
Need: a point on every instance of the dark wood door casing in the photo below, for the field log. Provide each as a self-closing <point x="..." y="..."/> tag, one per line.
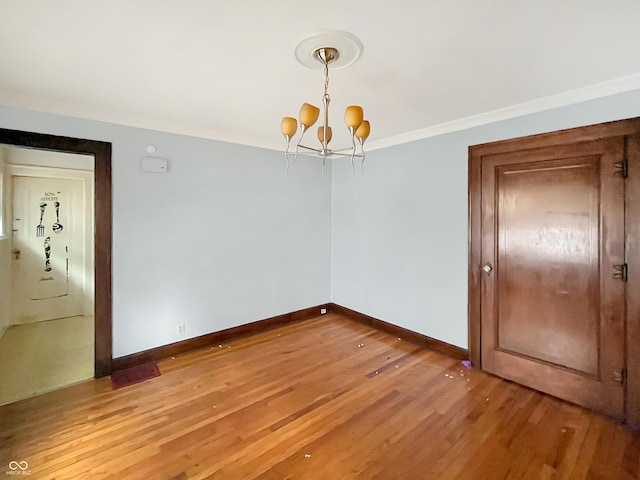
<point x="101" y="151"/>
<point x="628" y="134"/>
<point x="633" y="279"/>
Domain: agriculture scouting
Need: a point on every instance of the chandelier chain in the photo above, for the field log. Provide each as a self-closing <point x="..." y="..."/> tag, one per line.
<point x="326" y="79"/>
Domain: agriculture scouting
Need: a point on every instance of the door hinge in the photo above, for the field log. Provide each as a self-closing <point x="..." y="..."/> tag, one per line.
<point x="622" y="168"/>
<point x="620" y="272"/>
<point x="620" y="376"/>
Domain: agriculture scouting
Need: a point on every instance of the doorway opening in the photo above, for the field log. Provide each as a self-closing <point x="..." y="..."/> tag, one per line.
<point x="77" y="269"/>
<point x="48" y="342"/>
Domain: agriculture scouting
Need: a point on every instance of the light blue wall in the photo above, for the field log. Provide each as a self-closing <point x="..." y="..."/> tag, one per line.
<point x="400" y="234"/>
<point x="223" y="239"/>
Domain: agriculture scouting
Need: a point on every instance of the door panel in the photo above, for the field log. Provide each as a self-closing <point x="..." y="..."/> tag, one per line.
<point x="547" y="218"/>
<point x="552" y="312"/>
<point x="48" y="231"/>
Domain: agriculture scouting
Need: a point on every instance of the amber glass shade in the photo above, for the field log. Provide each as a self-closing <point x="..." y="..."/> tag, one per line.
<point x="308" y="114"/>
<point x="321" y="134"/>
<point x="363" y="130"/>
<point x="289" y="125"/>
<point x="353" y="116"/>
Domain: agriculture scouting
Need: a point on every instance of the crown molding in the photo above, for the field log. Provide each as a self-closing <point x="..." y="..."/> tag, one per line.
<point x="107" y="116"/>
<point x="591" y="92"/>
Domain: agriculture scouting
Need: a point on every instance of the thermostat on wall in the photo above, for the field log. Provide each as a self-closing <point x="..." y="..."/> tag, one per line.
<point x="153" y="165"/>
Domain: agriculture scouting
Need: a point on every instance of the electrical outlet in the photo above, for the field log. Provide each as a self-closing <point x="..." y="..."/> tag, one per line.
<point x="181" y="329"/>
<point x="323" y="311"/>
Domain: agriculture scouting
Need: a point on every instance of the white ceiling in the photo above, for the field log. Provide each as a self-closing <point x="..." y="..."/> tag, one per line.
<point x="226" y="69"/>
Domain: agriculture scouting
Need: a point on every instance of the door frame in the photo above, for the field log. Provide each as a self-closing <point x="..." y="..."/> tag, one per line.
<point x="621" y="128"/>
<point x="101" y="151"/>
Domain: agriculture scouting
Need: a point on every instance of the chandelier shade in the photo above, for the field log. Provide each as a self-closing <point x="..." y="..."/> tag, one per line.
<point x="289" y="126"/>
<point x="353" y="116"/>
<point x="321" y="134"/>
<point x="362" y="133"/>
<point x="308" y="114"/>
<point x="313" y="52"/>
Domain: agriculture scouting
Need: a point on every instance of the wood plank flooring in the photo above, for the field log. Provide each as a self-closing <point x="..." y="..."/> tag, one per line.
<point x="321" y="399"/>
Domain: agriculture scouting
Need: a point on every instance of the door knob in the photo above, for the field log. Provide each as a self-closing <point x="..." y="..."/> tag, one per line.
<point x="487" y="268"/>
<point x="16" y="254"/>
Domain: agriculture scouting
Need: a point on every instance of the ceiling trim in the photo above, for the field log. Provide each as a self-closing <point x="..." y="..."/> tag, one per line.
<point x="102" y="115"/>
<point x="619" y="85"/>
<point x="591" y="92"/>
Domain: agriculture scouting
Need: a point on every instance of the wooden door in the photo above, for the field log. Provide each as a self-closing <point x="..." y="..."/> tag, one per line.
<point x="552" y="309"/>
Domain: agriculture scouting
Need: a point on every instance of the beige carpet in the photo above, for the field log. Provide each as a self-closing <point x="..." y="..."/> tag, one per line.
<point x="39" y="357"/>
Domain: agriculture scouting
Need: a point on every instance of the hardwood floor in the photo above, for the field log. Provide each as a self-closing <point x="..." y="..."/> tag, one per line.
<point x="327" y="398"/>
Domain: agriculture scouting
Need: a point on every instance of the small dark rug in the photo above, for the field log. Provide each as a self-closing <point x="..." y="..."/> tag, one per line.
<point x="138" y="374"/>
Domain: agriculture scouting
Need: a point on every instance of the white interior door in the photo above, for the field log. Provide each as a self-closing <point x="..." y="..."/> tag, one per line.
<point x="48" y="245"/>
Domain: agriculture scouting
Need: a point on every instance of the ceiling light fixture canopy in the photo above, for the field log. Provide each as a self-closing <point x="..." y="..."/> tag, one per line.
<point x="314" y="53"/>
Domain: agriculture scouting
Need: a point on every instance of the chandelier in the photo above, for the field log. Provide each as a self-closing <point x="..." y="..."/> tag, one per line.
<point x="314" y="53"/>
